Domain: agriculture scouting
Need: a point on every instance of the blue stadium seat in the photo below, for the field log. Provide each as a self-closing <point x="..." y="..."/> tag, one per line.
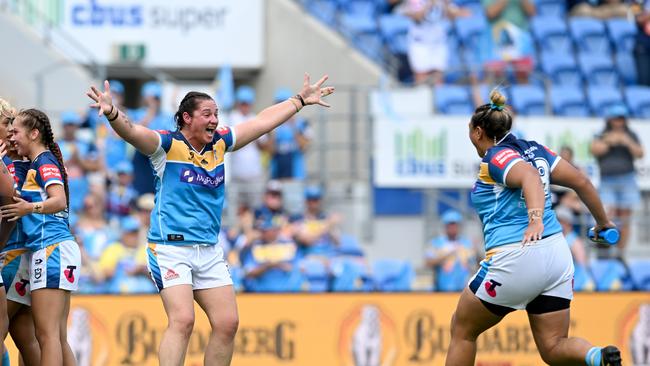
<point x="640" y="272"/>
<point x="393" y="275"/>
<point x="561" y="68"/>
<point x="551" y="34"/>
<point x="626" y="68"/>
<point x="350" y="275"/>
<point x="456" y="67"/>
<point x="470" y="29"/>
<point x="237" y="275"/>
<point x="638" y="100"/>
<point x="611" y="275"/>
<point x="349" y="245"/>
<point x="598" y="69"/>
<point x="362" y="31"/>
<point x="484" y="91"/>
<point x="621" y="34"/>
<point x="323" y="10"/>
<point x="316" y="275"/>
<point x="589" y="35"/>
<point x="601" y="98"/>
<point x="556" y="8"/>
<point x="453" y="99"/>
<point x="394" y="28"/>
<point x="582" y="280"/>
<point x="529" y="100"/>
<point x="569" y="101"/>
<point x="360" y="7"/>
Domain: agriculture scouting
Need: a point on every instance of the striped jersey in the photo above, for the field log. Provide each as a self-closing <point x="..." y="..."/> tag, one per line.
<point x="43" y="230"/>
<point x="17" y="168"/>
<point x="502" y="209"/>
<point x="190" y="189"/>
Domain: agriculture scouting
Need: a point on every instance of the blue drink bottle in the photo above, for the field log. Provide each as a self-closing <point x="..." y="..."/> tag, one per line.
<point x="607" y="236"/>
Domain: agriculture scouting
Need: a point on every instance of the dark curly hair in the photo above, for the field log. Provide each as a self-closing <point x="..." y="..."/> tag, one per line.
<point x="189" y="104"/>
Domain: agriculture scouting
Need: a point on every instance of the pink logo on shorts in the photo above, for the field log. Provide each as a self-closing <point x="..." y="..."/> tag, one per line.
<point x="171" y="275"/>
<point x="69" y="273"/>
<point x="21" y="287"/>
<point x="491" y="288"/>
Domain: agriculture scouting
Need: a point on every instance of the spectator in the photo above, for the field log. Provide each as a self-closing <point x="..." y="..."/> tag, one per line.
<point x="427" y="38"/>
<point x="270" y="265"/>
<point x="80" y="158"/>
<point x="144" y="205"/>
<point x="245" y="164"/>
<point x="451" y="255"/>
<point x="113" y="148"/>
<point x="92" y="228"/>
<point x="239" y="236"/>
<point x="152" y="116"/>
<point x="123" y="264"/>
<point x="317" y="232"/>
<point x="272" y="208"/>
<point x="642" y="43"/>
<point x="615" y="149"/>
<point x="121" y="194"/>
<point x="566" y="219"/>
<point x="288" y="144"/>
<point x="602" y="9"/>
<point x="508" y="42"/>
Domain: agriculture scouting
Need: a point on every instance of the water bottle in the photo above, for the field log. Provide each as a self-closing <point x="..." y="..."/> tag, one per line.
<point x="606" y="236"/>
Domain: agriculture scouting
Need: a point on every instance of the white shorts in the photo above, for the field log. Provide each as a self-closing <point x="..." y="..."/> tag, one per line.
<point x="15" y="275"/>
<point x="427" y="57"/>
<point x="56" y="266"/>
<point x="202" y="266"/>
<point x="513" y="276"/>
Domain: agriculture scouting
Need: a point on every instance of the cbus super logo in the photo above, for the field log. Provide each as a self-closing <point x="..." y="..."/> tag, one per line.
<point x="193" y="177"/>
<point x="503" y="157"/>
<point x="49" y="171"/>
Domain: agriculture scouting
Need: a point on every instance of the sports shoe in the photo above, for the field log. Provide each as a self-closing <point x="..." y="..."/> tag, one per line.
<point x="610" y="356"/>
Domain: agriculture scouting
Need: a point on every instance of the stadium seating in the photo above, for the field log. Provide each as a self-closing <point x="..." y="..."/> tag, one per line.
<point x="323" y="10"/>
<point x="626" y="68"/>
<point x="394" y="28"/>
<point x="392" y="275"/>
<point x="600" y="98"/>
<point x="316" y="275"/>
<point x="589" y="35"/>
<point x="561" y="68"/>
<point x="638" y="100"/>
<point x="582" y="280"/>
<point x="470" y="29"/>
<point x="453" y="99"/>
<point x="359" y="7"/>
<point x="362" y="31"/>
<point x="611" y="275"/>
<point x="556" y="8"/>
<point x="568" y="101"/>
<point x="551" y="34"/>
<point x="528" y="100"/>
<point x="621" y="34"/>
<point x="597" y="69"/>
<point x="640" y="272"/>
<point x="349" y="246"/>
<point x="350" y="275"/>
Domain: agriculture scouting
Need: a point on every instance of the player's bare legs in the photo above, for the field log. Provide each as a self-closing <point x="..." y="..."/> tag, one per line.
<point x="179" y="306"/>
<point x="221" y="308"/>
<point x="68" y="355"/>
<point x="48" y="306"/>
<point x="21" y="328"/>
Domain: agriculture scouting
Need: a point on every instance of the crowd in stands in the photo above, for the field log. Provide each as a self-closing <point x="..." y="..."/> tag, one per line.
<point x="588" y="54"/>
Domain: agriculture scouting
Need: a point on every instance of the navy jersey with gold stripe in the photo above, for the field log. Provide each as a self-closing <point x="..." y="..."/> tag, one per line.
<point x="18" y="169"/>
<point x="43" y="230"/>
<point x="190" y="189"/>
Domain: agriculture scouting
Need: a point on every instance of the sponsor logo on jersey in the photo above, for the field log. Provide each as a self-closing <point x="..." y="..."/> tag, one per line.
<point x="193" y="177"/>
<point x="503" y="157"/>
<point x="49" y="171"/>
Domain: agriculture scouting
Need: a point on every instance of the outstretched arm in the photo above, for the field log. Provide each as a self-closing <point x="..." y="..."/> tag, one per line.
<point x="275" y="115"/>
<point x="143" y="139"/>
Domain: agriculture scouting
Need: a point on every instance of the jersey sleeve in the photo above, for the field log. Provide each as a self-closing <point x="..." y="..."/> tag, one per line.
<point x="550" y="156"/>
<point x="227" y="134"/>
<point x="48" y="172"/>
<point x="11" y="168"/>
<point x="500" y="162"/>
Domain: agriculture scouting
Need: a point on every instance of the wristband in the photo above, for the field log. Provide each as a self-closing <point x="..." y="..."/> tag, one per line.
<point x="117" y="114"/>
<point x="294" y="104"/>
<point x="109" y="112"/>
<point x="299" y="97"/>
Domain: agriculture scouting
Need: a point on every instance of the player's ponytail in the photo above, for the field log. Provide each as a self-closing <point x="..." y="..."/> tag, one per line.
<point x="494" y="117"/>
<point x="35" y="119"/>
<point x="189" y="104"/>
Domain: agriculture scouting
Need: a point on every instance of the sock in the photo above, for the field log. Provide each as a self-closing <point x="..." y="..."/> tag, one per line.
<point x="5" y="358"/>
<point x="593" y="357"/>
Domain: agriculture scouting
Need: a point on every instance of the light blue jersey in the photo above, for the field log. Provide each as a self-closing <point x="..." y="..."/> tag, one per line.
<point x="502" y="209"/>
<point x="43" y="230"/>
<point x="189" y="189"/>
<point x="18" y="169"/>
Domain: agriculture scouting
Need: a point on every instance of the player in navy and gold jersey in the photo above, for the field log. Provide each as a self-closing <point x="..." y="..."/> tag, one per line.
<point x="528" y="264"/>
<point x="14" y="257"/>
<point x="43" y="210"/>
<point x="184" y="260"/>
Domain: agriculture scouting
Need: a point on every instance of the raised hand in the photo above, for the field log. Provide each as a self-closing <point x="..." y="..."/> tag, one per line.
<point x="103" y="100"/>
<point x="313" y="93"/>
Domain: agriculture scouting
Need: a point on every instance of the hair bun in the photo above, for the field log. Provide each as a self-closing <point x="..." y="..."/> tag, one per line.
<point x="497" y="98"/>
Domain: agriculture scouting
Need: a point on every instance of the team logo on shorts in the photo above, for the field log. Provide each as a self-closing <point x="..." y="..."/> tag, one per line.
<point x="171" y="275"/>
<point x="21" y="287"/>
<point x="69" y="273"/>
<point x="491" y="287"/>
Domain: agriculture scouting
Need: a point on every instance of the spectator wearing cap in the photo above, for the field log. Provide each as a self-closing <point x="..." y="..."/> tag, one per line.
<point x="272" y="208"/>
<point x="451" y="255"/>
<point x="154" y="117"/>
<point x="123" y="265"/>
<point x="80" y="157"/>
<point x="121" y="194"/>
<point x="288" y="144"/>
<point x="245" y="164"/>
<point x="317" y="233"/>
<point x="615" y="149"/>
<point x="270" y="261"/>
